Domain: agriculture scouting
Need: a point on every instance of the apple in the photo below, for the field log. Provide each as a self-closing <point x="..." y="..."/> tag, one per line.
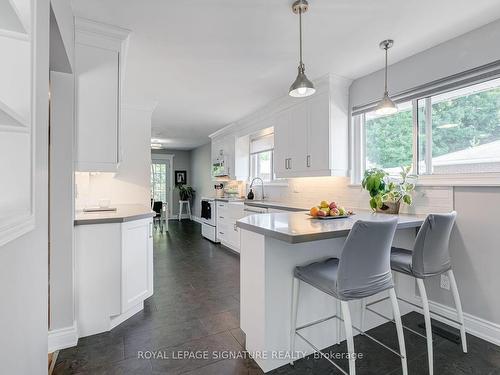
<point x="342" y="211"/>
<point x="333" y="205"/>
<point x="334" y="212"/>
<point x="324" y="204"/>
<point x="321" y="213"/>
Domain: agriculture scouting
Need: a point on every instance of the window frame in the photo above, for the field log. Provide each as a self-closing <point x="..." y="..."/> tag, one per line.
<point x="251" y="154"/>
<point x="358" y="142"/>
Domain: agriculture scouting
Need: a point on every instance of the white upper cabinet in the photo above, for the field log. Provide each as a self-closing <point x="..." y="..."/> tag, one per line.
<point x="311" y="137"/>
<point x="98" y="61"/>
<point x="97" y="102"/>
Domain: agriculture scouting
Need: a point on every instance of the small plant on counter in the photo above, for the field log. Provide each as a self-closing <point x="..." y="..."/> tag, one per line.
<point x="387" y="193"/>
<point x="186" y="192"/>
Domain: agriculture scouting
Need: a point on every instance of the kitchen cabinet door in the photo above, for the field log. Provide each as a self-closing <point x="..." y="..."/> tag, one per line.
<point x="281" y="143"/>
<point x="318" y="134"/>
<point x="97" y="108"/>
<point x="298" y="138"/>
<point x="137" y="262"/>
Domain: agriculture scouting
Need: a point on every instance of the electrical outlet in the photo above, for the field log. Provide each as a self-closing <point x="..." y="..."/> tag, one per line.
<point x="445" y="282"/>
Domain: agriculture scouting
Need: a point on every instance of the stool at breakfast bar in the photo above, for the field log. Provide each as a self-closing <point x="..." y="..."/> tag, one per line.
<point x="363" y="270"/>
<point x="183" y="204"/>
<point x="430" y="257"/>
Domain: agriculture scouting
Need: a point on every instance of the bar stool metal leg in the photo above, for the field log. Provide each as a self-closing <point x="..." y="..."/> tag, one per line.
<point x="399" y="327"/>
<point x="349" y="336"/>
<point x="293" y="317"/>
<point x="363" y="314"/>
<point x="458" y="305"/>
<point x="428" y="327"/>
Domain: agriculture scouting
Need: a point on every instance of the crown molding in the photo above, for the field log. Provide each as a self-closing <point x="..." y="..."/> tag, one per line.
<point x="88" y="26"/>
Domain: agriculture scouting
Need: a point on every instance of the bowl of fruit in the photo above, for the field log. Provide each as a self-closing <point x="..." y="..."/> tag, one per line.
<point x="327" y="211"/>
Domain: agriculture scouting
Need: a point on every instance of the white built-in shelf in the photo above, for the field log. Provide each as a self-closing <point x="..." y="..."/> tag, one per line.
<point x="12" y="121"/>
<point x="12" y="20"/>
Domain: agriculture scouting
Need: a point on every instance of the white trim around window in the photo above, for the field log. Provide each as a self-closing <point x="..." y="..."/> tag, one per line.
<point x="423" y="131"/>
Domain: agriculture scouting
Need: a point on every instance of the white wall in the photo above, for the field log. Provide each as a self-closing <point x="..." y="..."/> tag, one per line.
<point x="465" y="52"/>
<point x="201" y="177"/>
<point x="66" y="26"/>
<point x="23" y="262"/>
<point x="131" y="184"/>
<point x="61" y="200"/>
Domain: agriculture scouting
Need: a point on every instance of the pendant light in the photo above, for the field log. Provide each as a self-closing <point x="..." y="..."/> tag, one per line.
<point x="302" y="86"/>
<point x="386" y="106"/>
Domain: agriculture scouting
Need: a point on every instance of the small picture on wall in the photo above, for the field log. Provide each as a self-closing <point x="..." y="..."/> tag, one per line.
<point x="180" y="177"/>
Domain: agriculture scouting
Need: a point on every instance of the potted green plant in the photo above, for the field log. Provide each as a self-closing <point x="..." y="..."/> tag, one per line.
<point x="386" y="193"/>
<point x="186" y="192"/>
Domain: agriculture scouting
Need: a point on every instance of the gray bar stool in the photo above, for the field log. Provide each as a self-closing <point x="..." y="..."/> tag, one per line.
<point x="363" y="270"/>
<point x="430" y="257"/>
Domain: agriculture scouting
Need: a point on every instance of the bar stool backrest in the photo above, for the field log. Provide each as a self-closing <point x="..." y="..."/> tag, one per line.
<point x="431" y="255"/>
<point x="365" y="262"/>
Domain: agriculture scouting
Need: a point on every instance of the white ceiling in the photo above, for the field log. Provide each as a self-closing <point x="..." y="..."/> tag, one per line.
<point x="208" y="63"/>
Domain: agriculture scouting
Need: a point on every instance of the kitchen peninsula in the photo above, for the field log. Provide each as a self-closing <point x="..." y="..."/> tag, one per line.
<point x="271" y="246"/>
<point x="113" y="266"/>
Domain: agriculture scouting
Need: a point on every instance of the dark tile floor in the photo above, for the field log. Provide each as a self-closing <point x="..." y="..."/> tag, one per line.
<point x="195" y="307"/>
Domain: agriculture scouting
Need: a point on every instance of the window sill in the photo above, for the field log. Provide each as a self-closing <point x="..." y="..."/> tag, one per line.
<point x="472" y="179"/>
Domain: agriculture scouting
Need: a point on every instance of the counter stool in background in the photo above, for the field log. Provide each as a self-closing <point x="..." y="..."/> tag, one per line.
<point x="183" y="204"/>
<point x="363" y="270"/>
<point x="430" y="257"/>
<point x="157" y="208"/>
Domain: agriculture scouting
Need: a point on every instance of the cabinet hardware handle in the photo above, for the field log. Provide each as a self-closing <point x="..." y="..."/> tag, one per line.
<point x="221" y="232"/>
<point x="290" y="163"/>
<point x="235" y="228"/>
<point x="221" y="217"/>
<point x="150" y="229"/>
<point x="286" y="163"/>
<point x="308" y="161"/>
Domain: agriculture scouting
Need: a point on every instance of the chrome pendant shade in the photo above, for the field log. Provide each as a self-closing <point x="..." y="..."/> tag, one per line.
<point x="386" y="106"/>
<point x="302" y="86"/>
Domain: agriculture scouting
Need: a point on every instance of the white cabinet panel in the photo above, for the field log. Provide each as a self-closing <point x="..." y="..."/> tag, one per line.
<point x="318" y="134"/>
<point x="97" y="108"/>
<point x="298" y="138"/>
<point x="136" y="260"/>
<point x="281" y="150"/>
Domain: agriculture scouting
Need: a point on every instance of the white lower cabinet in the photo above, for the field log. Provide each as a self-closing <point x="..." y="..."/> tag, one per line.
<point x="227" y="216"/>
<point x="113" y="273"/>
<point x="137" y="262"/>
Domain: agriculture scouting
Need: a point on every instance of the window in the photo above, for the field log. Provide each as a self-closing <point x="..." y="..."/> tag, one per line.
<point x="159" y="181"/>
<point x="388" y="139"/>
<point x="459" y="131"/>
<point x="261" y="157"/>
<point x="448" y="133"/>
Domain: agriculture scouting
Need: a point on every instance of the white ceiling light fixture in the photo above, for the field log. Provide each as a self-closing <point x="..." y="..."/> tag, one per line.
<point x="386" y="106"/>
<point x="302" y="86"/>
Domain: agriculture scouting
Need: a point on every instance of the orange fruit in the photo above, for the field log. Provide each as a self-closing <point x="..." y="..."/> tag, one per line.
<point x="314" y="211"/>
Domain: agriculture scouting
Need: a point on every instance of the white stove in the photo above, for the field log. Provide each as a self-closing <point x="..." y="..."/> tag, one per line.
<point x="209" y="219"/>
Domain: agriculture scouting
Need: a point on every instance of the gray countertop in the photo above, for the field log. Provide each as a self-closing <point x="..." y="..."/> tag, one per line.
<point x="265" y="204"/>
<point x="122" y="214"/>
<point x="299" y="227"/>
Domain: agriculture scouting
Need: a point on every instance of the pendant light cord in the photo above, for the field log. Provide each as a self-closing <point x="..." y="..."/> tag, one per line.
<point x="300" y="35"/>
<point x="386" y="48"/>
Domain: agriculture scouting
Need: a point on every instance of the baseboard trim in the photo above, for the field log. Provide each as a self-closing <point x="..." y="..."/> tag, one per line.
<point x="196" y="218"/>
<point x="119" y="319"/>
<point x="474" y="325"/>
<point x="63" y="338"/>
